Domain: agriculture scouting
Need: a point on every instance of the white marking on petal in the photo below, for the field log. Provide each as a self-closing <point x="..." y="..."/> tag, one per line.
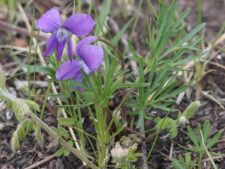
<point x="61" y="34"/>
<point x="84" y="67"/>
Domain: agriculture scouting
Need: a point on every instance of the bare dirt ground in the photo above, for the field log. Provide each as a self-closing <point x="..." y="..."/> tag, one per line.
<point x="213" y="83"/>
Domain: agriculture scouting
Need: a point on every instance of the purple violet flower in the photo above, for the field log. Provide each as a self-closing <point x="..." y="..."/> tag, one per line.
<point x="91" y="56"/>
<point x="77" y="24"/>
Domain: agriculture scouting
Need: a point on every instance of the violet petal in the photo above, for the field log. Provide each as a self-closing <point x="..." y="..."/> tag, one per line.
<point x="50" y="45"/>
<point x="59" y="48"/>
<point x="68" y="70"/>
<point x="79" y="24"/>
<point x="84" y="41"/>
<point x="49" y="21"/>
<point x="92" y="56"/>
<point x="70" y="49"/>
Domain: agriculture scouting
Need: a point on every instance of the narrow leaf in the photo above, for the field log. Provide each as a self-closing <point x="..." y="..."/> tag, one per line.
<point x="192" y="136"/>
<point x="66" y="121"/>
<point x="214" y="140"/>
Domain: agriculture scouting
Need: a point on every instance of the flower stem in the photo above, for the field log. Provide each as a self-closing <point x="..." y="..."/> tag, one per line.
<point x="123" y="113"/>
<point x="29" y="56"/>
<point x="102" y="135"/>
<point x="200" y="161"/>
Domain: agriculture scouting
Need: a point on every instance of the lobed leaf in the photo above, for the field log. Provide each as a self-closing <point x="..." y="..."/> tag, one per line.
<point x="192" y="136"/>
<point x="214" y="140"/>
<point x="191" y="109"/>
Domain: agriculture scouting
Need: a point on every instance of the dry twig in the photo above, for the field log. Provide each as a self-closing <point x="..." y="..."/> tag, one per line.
<point x="46" y="159"/>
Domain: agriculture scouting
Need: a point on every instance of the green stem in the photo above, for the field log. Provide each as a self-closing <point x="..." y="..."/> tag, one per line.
<point x="199" y="20"/>
<point x="102" y="135"/>
<point x="207" y="152"/>
<point x="79" y="6"/>
<point x="156" y="138"/>
<point x="29" y="56"/>
<point x="35" y="60"/>
<point x="197" y="64"/>
<point x="45" y="100"/>
<point x="200" y="161"/>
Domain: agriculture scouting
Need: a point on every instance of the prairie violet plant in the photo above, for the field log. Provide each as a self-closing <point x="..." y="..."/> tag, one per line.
<point x="77" y="24"/>
<point x="91" y="58"/>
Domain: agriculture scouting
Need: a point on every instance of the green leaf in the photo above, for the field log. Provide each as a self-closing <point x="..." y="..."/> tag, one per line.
<point x="21" y="133"/>
<point x="2" y="79"/>
<point x="190" y="149"/>
<point x="192" y="136"/>
<point x="172" y="12"/>
<point x="73" y="83"/>
<point x="134" y="85"/>
<point x="20" y="108"/>
<point x="116" y="85"/>
<point x="152" y="72"/>
<point x="162" y="74"/>
<point x="163" y="123"/>
<point x="177" y="164"/>
<point x="39" y="69"/>
<point x="14" y="143"/>
<point x="93" y="85"/>
<point x="32" y="104"/>
<point x="132" y="159"/>
<point x="164" y="88"/>
<point x="63" y="132"/>
<point x="140" y="119"/>
<point x="70" y="142"/>
<point x="116" y="38"/>
<point x="181" y="17"/>
<point x="59" y="152"/>
<point x="89" y="95"/>
<point x="103" y="16"/>
<point x="191" y="109"/>
<point x="66" y="121"/>
<point x="214" y="140"/>
<point x="181" y="159"/>
<point x="188" y="59"/>
<point x="172" y="94"/>
<point x="57" y="139"/>
<point x="206" y="131"/>
<point x="133" y="50"/>
<point x="66" y="152"/>
<point x="200" y="135"/>
<point x="188" y="159"/>
<point x="54" y="129"/>
<point x="173" y="129"/>
<point x="164" y="106"/>
<point x="191" y="34"/>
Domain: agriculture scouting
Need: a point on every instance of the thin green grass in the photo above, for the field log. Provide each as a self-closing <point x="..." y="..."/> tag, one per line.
<point x="29" y="55"/>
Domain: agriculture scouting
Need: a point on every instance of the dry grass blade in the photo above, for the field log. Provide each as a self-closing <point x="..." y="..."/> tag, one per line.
<point x="213" y="99"/>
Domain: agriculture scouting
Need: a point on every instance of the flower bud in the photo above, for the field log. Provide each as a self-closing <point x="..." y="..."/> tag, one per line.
<point x="118" y="152"/>
<point x="183" y="120"/>
<point x="134" y="146"/>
